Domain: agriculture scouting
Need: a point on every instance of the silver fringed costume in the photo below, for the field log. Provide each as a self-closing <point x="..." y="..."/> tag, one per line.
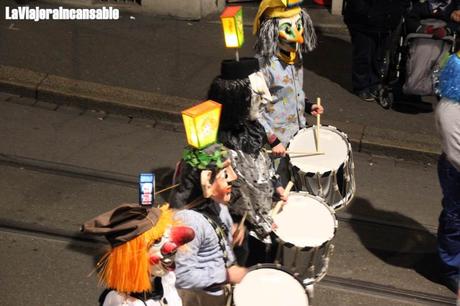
<point x="255" y="186"/>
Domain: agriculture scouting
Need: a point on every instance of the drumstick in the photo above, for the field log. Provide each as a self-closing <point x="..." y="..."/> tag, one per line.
<point x="318" y="124"/>
<point x="242" y="221"/>
<point x="299" y="152"/>
<point x="278" y="205"/>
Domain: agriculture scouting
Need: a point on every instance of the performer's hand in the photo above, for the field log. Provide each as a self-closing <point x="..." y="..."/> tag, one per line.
<point x="238" y="234"/>
<point x="279" y="150"/>
<point x="235" y="274"/>
<point x="316" y="110"/>
<point x="280" y="192"/>
<point x="455" y="16"/>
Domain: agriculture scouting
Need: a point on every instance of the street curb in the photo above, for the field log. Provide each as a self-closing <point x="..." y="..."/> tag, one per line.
<point x="162" y="108"/>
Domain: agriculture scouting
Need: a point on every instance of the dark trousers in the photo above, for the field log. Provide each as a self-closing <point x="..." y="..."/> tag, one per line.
<point x="367" y="58"/>
<point x="253" y="251"/>
<point x="197" y="297"/>
<point x="449" y="220"/>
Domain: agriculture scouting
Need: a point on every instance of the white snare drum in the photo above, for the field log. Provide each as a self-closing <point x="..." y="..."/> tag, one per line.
<point x="305" y="228"/>
<point x="269" y="285"/>
<point x="331" y="175"/>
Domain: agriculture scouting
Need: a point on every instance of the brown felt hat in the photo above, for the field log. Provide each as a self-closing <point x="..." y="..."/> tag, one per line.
<point x="123" y="223"/>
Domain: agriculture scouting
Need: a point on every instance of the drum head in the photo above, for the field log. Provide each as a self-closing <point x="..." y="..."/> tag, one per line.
<point x="331" y="142"/>
<point x="305" y="221"/>
<point x="269" y="287"/>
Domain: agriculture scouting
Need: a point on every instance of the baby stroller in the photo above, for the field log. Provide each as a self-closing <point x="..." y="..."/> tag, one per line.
<point x="411" y="62"/>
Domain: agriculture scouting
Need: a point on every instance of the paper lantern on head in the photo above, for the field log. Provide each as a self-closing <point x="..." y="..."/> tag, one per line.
<point x="232" y="24"/>
<point x="201" y="123"/>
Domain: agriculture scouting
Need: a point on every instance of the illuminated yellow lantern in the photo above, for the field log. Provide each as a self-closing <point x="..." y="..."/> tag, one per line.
<point x="232" y="23"/>
<point x="201" y="123"/>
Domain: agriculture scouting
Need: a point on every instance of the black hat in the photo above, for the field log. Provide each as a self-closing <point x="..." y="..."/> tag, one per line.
<point x="232" y="69"/>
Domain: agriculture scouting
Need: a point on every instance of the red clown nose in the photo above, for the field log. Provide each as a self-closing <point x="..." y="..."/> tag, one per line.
<point x="180" y="235"/>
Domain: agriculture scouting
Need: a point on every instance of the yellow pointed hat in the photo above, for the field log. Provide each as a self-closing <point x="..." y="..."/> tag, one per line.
<point x="275" y="9"/>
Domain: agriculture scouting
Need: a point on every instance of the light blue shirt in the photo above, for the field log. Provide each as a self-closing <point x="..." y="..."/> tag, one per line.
<point x="200" y="263"/>
<point x="285" y="115"/>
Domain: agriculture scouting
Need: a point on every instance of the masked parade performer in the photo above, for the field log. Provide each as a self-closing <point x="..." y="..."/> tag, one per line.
<point x="448" y="122"/>
<point x="143" y="244"/>
<point x="284" y="31"/>
<point x="203" y="270"/>
<point x="242" y="91"/>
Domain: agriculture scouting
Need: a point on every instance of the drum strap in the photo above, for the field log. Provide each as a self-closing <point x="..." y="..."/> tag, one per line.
<point x="220" y="236"/>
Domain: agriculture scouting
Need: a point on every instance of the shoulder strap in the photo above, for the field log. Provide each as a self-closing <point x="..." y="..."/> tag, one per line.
<point x="220" y="235"/>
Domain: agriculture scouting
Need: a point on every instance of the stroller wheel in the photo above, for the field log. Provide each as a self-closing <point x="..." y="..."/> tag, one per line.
<point x="385" y="98"/>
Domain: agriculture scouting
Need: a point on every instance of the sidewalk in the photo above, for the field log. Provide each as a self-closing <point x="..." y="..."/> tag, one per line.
<point x="154" y="67"/>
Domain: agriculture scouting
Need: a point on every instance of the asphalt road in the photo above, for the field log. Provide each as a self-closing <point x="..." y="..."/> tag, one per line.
<point x="63" y="166"/>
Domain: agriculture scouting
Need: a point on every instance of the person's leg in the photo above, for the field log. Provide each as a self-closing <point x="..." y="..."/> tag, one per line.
<point x="361" y="61"/>
<point x="282" y="169"/>
<point x="380" y="55"/>
<point x="449" y="220"/>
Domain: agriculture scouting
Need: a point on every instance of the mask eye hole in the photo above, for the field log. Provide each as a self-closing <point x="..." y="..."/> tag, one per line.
<point x="299" y="25"/>
<point x="286" y="27"/>
<point x="155" y="242"/>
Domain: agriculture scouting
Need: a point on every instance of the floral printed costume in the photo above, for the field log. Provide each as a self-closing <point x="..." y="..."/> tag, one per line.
<point x="285" y="115"/>
<point x="284" y="31"/>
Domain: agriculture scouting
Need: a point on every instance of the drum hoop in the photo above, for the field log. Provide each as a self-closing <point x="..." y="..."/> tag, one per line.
<point x="327" y="173"/>
<point x="328" y="127"/>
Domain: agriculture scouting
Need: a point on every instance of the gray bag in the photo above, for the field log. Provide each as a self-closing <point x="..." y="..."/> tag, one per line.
<point x="423" y="60"/>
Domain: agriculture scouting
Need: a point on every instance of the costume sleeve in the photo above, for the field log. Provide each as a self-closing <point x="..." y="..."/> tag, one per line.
<point x="196" y="264"/>
<point x="265" y="119"/>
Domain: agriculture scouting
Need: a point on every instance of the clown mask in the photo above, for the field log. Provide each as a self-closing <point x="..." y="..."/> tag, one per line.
<point x="220" y="189"/>
<point x="163" y="251"/>
<point x="290" y="33"/>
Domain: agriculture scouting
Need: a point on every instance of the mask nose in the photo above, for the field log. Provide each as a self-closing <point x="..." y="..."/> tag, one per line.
<point x="168" y="249"/>
<point x="231" y="175"/>
<point x="298" y="36"/>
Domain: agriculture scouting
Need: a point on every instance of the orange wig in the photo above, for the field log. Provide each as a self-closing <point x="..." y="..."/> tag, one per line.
<point x="126" y="268"/>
